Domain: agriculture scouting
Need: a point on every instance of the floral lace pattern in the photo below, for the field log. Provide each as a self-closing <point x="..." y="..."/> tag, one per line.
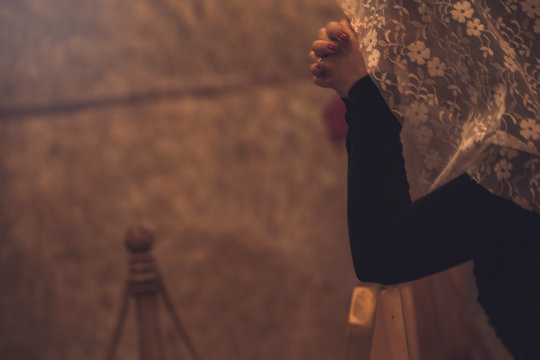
<point x="464" y="79"/>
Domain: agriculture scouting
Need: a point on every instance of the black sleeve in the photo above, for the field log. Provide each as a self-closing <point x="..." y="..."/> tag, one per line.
<point x="393" y="239"/>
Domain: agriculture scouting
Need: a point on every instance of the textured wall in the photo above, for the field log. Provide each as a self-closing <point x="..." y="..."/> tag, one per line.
<point x="197" y="118"/>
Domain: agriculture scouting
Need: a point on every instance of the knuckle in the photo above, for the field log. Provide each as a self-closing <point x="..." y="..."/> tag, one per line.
<point x="318" y="49"/>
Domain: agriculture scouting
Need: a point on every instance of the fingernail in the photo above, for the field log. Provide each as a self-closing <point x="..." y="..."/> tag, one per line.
<point x="332" y="46"/>
<point x="342" y="35"/>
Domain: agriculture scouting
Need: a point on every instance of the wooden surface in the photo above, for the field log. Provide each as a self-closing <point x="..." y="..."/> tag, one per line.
<point x="390" y="336"/>
<point x="381" y="324"/>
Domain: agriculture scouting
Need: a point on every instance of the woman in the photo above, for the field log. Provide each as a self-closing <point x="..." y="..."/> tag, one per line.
<point x="459" y="218"/>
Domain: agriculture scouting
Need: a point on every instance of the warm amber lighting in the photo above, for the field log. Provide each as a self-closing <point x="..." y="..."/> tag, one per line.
<point x="362" y="306"/>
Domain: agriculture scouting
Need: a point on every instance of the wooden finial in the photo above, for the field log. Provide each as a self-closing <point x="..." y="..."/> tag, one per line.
<point x="144" y="284"/>
<point x="138" y="240"/>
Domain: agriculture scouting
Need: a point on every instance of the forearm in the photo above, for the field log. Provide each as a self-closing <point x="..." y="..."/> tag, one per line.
<point x="377" y="184"/>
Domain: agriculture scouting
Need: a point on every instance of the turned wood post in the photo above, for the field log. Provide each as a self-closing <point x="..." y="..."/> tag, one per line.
<point x="143" y="286"/>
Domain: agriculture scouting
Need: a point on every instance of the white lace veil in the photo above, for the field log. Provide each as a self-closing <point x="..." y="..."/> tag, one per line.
<point x="464" y="79"/>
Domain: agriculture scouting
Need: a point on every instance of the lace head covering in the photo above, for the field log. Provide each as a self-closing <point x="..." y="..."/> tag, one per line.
<point x="464" y="79"/>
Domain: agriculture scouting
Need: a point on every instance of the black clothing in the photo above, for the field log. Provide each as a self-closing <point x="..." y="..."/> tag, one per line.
<point x="394" y="240"/>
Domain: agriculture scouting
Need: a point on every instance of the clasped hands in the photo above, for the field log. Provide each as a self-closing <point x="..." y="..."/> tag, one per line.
<point x="336" y="59"/>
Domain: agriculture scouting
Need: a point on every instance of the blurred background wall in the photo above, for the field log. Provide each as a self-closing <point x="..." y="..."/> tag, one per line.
<point x="197" y="118"/>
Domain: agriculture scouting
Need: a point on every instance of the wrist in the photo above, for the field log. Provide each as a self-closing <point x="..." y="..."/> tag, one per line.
<point x="344" y="90"/>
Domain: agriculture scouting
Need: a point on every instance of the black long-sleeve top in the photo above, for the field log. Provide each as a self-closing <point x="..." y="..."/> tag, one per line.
<point x="394" y="239"/>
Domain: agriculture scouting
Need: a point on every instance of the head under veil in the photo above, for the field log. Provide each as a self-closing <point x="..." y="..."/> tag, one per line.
<point x="464" y="79"/>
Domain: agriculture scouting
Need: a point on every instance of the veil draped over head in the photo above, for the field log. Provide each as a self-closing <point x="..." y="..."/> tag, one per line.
<point x="463" y="77"/>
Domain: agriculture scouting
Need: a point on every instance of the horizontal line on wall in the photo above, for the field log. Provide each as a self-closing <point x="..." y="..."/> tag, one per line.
<point x="209" y="88"/>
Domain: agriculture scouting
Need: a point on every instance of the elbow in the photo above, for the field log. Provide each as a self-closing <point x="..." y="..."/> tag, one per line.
<point x="384" y="275"/>
<point x="374" y="261"/>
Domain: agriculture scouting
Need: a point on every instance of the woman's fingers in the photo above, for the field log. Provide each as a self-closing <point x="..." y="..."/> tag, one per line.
<point x="336" y="59"/>
<point x="320" y="72"/>
<point x="313" y="57"/>
<point x="317" y="69"/>
<point x="321" y="79"/>
<point x="339" y="32"/>
<point x="322" y="34"/>
<point x="323" y="48"/>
